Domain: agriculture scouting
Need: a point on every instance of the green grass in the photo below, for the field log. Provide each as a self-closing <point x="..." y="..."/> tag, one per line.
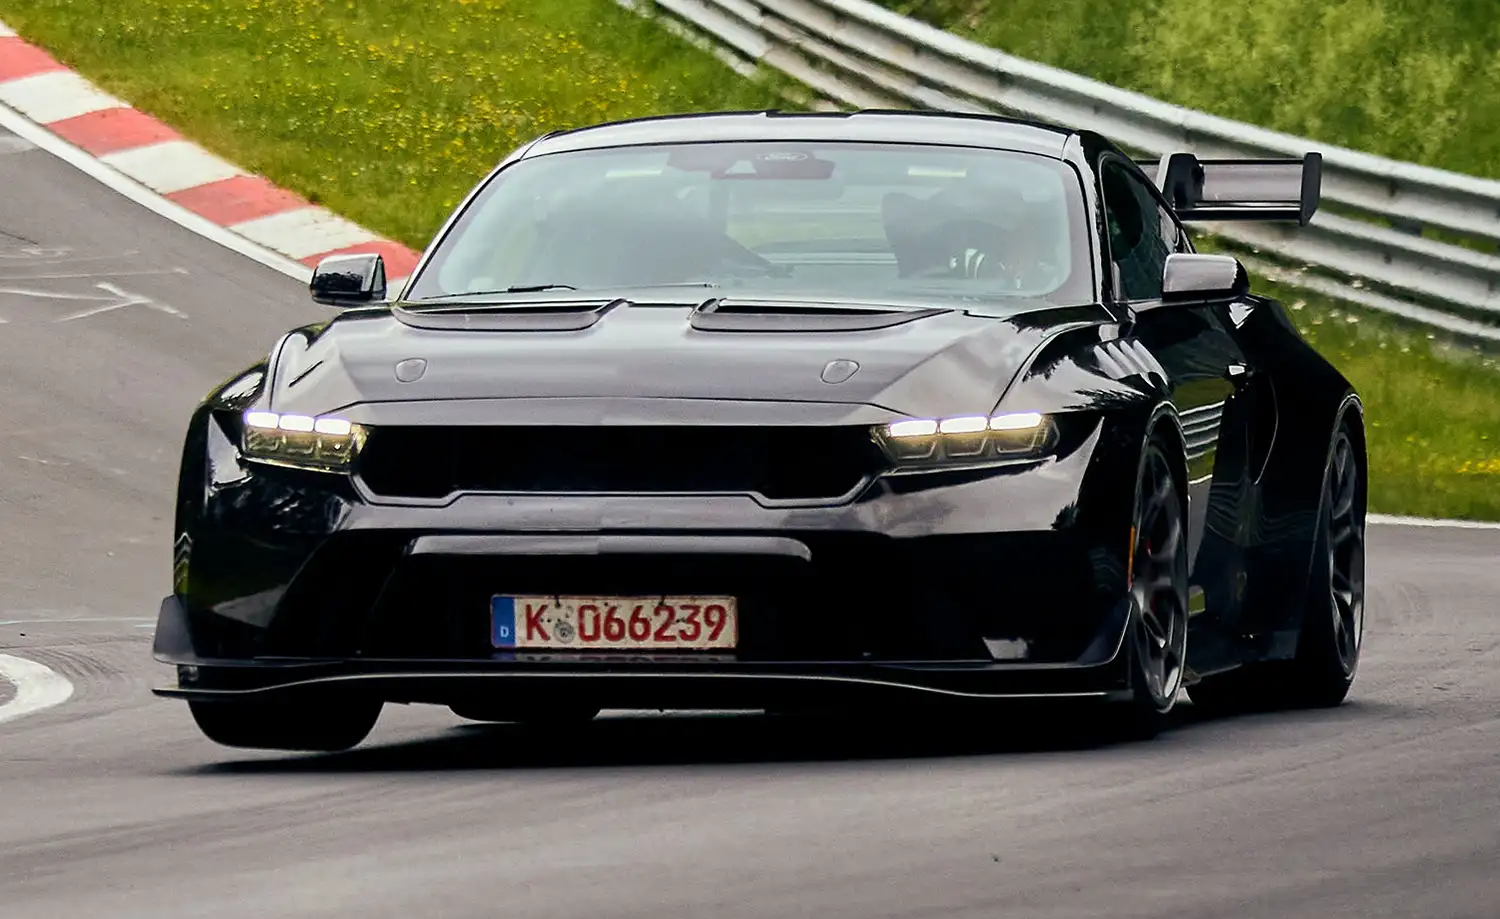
<point x="388" y="111"/>
<point x="1414" y="80"/>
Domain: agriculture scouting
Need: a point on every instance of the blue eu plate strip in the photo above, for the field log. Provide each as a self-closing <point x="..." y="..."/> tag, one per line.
<point x="503" y="622"/>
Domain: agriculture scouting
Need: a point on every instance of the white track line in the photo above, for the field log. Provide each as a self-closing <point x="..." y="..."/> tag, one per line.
<point x="117" y="181"/>
<point x="37" y="687"/>
<point x="1428" y="522"/>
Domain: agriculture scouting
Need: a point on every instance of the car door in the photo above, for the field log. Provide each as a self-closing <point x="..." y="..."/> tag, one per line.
<point x="1206" y="372"/>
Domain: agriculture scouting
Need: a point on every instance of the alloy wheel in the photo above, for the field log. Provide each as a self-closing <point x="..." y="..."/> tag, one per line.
<point x="1158" y="584"/>
<point x="1346" y="553"/>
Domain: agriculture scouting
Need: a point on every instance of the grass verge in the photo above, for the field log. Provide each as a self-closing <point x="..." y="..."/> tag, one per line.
<point x="388" y="112"/>
<point x="1409" y="80"/>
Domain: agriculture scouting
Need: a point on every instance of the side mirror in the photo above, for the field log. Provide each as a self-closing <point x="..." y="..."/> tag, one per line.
<point x="348" y="280"/>
<point x="1192" y="276"/>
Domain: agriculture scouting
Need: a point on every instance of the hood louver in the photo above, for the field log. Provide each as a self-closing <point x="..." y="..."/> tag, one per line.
<point x="722" y="314"/>
<point x="537" y="316"/>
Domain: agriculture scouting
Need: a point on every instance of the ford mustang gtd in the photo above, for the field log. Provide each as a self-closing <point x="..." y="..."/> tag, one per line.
<point x="769" y="411"/>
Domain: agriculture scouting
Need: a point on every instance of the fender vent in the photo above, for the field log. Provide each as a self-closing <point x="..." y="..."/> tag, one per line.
<point x="1200" y="428"/>
<point x="1123" y="359"/>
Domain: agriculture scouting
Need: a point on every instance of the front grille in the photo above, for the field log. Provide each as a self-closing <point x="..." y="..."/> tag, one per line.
<point x="780" y="463"/>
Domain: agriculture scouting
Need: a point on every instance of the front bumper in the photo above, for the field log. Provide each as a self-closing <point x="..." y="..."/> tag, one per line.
<point x="1005" y="583"/>
<point x="645" y="680"/>
<point x="823" y="617"/>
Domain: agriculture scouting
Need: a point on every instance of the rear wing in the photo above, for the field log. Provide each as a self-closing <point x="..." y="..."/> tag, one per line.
<point x="1241" y="189"/>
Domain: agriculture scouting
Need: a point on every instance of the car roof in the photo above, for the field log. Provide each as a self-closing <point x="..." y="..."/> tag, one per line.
<point x="870" y="126"/>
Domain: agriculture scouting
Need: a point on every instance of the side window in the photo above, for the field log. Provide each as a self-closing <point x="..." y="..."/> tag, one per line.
<point x="1141" y="234"/>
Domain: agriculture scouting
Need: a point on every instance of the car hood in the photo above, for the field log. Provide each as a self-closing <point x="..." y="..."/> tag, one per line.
<point x="904" y="360"/>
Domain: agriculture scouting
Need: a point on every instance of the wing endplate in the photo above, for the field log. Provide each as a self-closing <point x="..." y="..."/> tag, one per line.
<point x="1240" y="189"/>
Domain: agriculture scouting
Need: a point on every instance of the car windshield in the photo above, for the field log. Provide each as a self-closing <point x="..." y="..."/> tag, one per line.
<point x="772" y="219"/>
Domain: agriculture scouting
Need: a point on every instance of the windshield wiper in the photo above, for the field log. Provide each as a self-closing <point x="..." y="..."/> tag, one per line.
<point x="538" y="288"/>
<point x="534" y="288"/>
<point x="518" y="289"/>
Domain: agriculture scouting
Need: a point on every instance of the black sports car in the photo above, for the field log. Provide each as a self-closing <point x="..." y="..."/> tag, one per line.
<point x="770" y="411"/>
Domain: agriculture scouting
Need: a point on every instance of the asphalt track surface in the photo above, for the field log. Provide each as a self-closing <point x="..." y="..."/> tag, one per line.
<point x="112" y="804"/>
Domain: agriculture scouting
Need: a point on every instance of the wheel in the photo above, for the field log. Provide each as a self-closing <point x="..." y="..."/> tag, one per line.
<point x="1158" y="585"/>
<point x="1328" y="648"/>
<point x="525" y="713"/>
<point x="323" y="725"/>
<point x="1333" y="625"/>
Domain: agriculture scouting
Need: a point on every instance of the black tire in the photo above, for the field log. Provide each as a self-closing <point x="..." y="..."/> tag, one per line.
<point x="524" y="713"/>
<point x="1157" y="640"/>
<point x="322" y="725"/>
<point x="1327" y="658"/>
<point x="1333" y="624"/>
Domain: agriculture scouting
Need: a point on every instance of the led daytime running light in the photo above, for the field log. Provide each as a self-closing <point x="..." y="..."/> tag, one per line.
<point x="965" y="424"/>
<point x="1016" y="421"/>
<point x="320" y="443"/>
<point x="966" y="439"/>
<point x="913" y="428"/>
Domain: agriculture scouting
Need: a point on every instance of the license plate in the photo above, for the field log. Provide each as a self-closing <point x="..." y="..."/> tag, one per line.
<point x="609" y="623"/>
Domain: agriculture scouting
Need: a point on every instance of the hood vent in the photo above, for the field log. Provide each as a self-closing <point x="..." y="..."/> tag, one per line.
<point x="512" y="316"/>
<point x="722" y="314"/>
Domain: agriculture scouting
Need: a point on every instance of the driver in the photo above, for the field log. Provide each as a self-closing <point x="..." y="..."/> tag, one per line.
<point x="981" y="229"/>
<point x="1023" y="255"/>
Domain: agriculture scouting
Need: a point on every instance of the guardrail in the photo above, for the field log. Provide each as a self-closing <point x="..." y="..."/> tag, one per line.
<point x="854" y="53"/>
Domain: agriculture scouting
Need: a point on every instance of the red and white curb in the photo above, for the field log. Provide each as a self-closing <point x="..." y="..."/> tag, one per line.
<point x="55" y="108"/>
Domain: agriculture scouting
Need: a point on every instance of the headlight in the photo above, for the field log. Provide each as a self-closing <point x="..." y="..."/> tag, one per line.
<point x="325" y="444"/>
<point x="966" y="439"/>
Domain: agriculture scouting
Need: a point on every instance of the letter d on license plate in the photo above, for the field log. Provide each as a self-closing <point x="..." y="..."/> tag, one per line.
<point x="502" y="622"/>
<point x="610" y="623"/>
